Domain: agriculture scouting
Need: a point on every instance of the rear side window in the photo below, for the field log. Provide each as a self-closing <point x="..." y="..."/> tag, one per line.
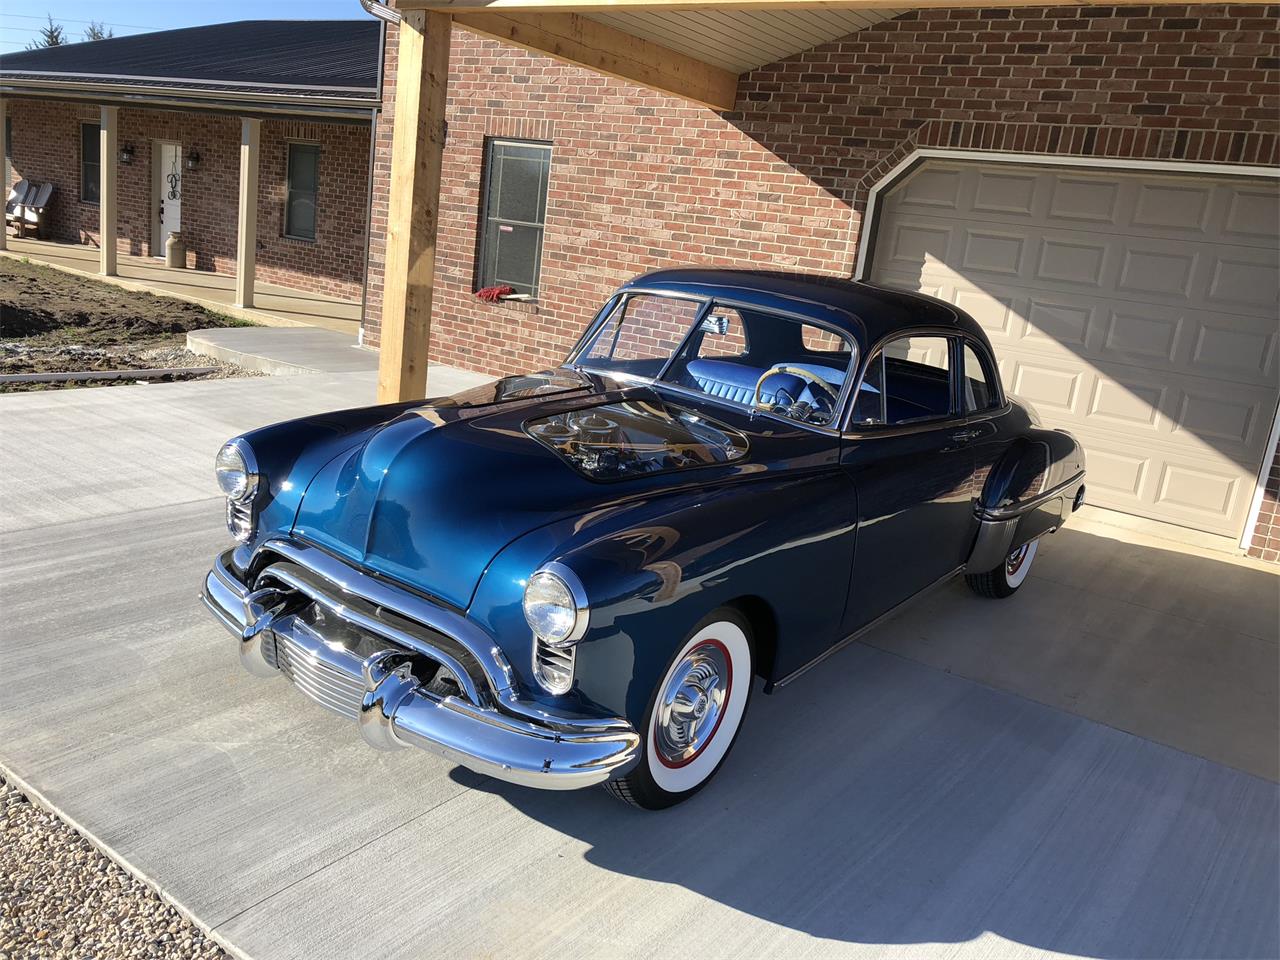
<point x="908" y="381"/>
<point x="979" y="383"/>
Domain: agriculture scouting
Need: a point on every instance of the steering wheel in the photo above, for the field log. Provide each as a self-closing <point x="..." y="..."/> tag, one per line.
<point x="807" y="375"/>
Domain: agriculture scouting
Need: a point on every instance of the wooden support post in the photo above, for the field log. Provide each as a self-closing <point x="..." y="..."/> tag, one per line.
<point x="247" y="221"/>
<point x="108" y="157"/>
<point x="417" y="151"/>
<point x="4" y="169"/>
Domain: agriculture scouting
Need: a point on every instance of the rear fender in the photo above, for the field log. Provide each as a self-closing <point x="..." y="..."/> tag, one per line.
<point x="1031" y="490"/>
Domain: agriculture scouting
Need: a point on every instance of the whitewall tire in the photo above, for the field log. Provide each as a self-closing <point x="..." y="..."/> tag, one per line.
<point x="1005" y="579"/>
<point x="694" y="714"/>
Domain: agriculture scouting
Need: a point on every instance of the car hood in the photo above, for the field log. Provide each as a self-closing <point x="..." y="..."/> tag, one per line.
<point x="430" y="497"/>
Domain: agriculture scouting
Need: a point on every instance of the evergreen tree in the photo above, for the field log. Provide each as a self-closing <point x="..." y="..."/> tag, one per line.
<point x="51" y="35"/>
<point x="96" y="31"/>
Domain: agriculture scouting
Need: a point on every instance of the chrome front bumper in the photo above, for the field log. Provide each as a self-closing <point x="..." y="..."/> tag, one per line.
<point x="344" y="655"/>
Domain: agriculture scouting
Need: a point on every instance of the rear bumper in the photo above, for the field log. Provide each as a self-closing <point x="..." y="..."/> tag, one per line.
<point x="384" y="687"/>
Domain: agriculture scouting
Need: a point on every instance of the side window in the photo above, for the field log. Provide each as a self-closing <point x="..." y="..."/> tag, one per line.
<point x="301" y="187"/>
<point x="90" y="163"/>
<point x="909" y="380"/>
<point x="979" y="386"/>
<point x="513" y="215"/>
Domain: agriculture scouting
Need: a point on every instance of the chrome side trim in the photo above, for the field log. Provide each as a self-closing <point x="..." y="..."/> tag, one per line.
<point x="1026" y="506"/>
<point x="837" y="647"/>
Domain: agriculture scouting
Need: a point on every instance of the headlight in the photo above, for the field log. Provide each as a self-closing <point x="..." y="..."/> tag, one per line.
<point x="236" y="476"/>
<point x="555" y="605"/>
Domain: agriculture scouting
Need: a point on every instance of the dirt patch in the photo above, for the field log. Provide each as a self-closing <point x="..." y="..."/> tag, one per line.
<point x="56" y="322"/>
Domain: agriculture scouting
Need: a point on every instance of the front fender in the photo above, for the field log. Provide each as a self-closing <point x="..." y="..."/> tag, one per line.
<point x="653" y="569"/>
<point x="289" y="454"/>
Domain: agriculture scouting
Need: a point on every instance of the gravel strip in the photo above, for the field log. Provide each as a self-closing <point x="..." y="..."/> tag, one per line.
<point x="61" y="898"/>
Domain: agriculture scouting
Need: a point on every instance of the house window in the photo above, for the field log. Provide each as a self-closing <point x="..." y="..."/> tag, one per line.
<point x="90" y="163"/>
<point x="514" y="213"/>
<point x="300" y="199"/>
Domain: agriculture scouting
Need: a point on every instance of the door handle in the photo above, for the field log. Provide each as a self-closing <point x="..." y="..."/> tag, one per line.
<point x="964" y="436"/>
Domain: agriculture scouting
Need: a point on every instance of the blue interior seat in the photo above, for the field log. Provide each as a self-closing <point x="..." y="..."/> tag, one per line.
<point x="737" y="381"/>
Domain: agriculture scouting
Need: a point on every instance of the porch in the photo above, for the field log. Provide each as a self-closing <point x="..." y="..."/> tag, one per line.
<point x="273" y="306"/>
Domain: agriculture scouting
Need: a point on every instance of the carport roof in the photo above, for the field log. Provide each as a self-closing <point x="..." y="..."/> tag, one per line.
<point x="315" y="59"/>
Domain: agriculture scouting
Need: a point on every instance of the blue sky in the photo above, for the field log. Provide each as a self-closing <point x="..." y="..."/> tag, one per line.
<point x="20" y="22"/>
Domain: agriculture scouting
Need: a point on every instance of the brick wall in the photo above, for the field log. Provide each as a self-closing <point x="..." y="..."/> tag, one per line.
<point x="46" y="147"/>
<point x="1265" y="543"/>
<point x="640" y="180"/>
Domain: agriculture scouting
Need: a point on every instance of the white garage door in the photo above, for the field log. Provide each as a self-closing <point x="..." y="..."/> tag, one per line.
<point x="1137" y="310"/>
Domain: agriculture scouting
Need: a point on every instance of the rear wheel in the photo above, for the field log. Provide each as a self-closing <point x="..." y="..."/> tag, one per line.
<point x="1005" y="579"/>
<point x="694" y="714"/>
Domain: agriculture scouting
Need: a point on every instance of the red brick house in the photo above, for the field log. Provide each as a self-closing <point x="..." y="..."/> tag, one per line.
<point x="180" y="107"/>
<point x="1096" y="184"/>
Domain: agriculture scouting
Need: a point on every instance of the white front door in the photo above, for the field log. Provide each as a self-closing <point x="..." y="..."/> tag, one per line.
<point x="168" y="193"/>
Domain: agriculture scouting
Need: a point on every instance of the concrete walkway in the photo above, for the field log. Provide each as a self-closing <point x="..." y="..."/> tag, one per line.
<point x="887" y="805"/>
<point x="284" y="351"/>
<point x="273" y="305"/>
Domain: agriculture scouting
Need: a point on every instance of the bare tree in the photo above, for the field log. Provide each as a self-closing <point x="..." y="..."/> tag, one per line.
<point x="51" y="35"/>
<point x="96" y="31"/>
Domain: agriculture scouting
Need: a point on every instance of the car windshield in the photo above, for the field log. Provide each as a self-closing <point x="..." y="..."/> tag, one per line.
<point x="739" y="355"/>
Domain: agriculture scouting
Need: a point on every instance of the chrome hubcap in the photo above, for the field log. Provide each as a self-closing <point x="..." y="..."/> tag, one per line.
<point x="1015" y="559"/>
<point x="690" y="706"/>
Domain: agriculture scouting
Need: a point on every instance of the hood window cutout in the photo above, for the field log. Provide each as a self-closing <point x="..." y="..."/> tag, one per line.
<point x="636" y="437"/>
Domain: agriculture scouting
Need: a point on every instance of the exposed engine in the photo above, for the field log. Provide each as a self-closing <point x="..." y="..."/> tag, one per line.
<point x="620" y="440"/>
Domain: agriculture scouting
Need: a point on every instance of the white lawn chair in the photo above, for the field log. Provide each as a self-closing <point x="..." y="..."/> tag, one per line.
<point x="32" y="210"/>
<point x="18" y="195"/>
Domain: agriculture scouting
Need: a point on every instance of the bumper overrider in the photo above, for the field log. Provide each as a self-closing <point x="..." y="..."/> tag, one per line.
<point x="409" y="672"/>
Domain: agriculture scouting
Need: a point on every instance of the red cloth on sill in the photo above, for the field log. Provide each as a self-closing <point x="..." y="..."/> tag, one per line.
<point x="494" y="294"/>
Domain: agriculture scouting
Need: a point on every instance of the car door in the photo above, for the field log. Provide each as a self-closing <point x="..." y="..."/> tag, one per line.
<point x="907" y="451"/>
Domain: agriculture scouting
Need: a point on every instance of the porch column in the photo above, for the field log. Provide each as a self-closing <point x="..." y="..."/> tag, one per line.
<point x="247" y="222"/>
<point x="417" y="150"/>
<point x="108" y="139"/>
<point x="4" y="170"/>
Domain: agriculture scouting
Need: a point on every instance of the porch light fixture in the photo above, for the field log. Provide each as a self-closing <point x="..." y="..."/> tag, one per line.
<point x="193" y="160"/>
<point x="126" y="154"/>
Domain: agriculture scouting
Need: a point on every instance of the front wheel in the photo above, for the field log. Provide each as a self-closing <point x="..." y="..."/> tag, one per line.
<point x="1005" y="579"/>
<point x="694" y="714"/>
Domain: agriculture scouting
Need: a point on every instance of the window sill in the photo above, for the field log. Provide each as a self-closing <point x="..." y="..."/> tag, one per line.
<point x="306" y="240"/>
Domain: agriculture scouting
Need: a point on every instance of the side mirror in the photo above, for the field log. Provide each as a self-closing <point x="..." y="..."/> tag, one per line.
<point x="718" y="325"/>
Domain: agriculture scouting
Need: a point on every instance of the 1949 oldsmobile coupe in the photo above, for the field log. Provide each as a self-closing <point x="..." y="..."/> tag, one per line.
<point x="572" y="577"/>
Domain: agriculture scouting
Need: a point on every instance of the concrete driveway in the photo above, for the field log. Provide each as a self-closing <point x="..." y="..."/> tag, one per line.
<point x="1085" y="770"/>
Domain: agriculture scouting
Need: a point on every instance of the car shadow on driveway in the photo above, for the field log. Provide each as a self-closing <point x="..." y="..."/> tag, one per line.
<point x="879" y="801"/>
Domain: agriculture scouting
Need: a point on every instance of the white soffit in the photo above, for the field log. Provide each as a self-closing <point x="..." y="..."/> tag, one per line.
<point x="741" y="40"/>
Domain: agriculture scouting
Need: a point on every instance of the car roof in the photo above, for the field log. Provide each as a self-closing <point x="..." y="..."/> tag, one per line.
<point x="866" y="311"/>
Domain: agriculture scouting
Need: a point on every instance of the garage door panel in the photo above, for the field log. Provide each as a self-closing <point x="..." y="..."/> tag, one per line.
<point x="1207" y="343"/>
<point x="1243" y="277"/>
<point x="1176" y="207"/>
<point x="1252" y="215"/>
<point x="1138" y="310"/>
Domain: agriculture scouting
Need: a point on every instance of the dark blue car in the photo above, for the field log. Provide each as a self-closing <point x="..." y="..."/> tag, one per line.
<point x="574" y="577"/>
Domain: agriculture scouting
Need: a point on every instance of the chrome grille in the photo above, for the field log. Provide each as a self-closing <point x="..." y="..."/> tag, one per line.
<point x="329" y="681"/>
